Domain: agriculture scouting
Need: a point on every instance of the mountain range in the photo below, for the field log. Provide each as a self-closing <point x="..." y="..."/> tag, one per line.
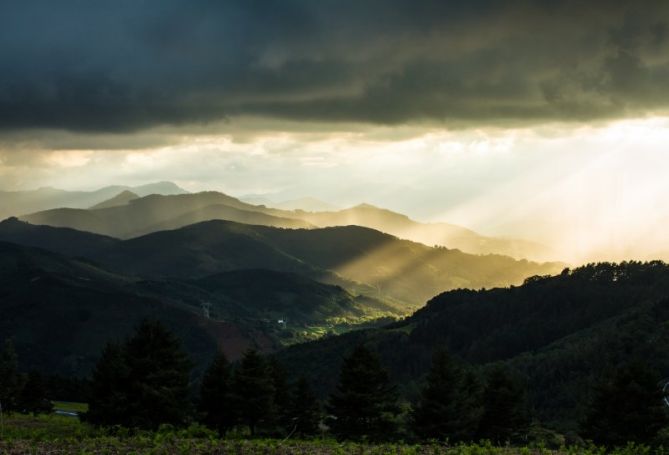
<point x="16" y="203"/>
<point x="227" y="274"/>
<point x="361" y="259"/>
<point x="125" y="216"/>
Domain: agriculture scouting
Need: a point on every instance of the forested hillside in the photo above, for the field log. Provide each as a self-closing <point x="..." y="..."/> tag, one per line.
<point x="561" y="333"/>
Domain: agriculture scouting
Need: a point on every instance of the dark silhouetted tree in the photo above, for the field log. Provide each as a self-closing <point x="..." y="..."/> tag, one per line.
<point x="364" y="404"/>
<point x="11" y="381"/>
<point x="505" y="416"/>
<point x="158" y="373"/>
<point x="304" y="410"/>
<point x="253" y="392"/>
<point x="449" y="405"/>
<point x="108" y="402"/>
<point x="215" y="403"/>
<point x="143" y="383"/>
<point x="281" y="395"/>
<point x="626" y="407"/>
<point x="33" y="398"/>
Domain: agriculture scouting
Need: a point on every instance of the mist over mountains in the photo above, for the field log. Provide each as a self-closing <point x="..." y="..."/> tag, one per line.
<point x="235" y="268"/>
<point x="225" y="274"/>
<point x="14" y="203"/>
<point x="123" y="215"/>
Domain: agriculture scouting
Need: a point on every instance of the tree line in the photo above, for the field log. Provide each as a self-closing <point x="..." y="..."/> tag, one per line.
<point x="144" y="382"/>
<point x="20" y="392"/>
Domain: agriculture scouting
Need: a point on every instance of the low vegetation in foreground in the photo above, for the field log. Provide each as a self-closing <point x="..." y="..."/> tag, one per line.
<point x="53" y="434"/>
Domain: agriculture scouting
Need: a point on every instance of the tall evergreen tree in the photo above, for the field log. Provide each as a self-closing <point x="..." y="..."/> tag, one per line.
<point x="304" y="410"/>
<point x="281" y="395"/>
<point x="11" y="381"/>
<point x="158" y="372"/>
<point x="109" y="400"/>
<point x="505" y="416"/>
<point x="215" y="404"/>
<point x="626" y="407"/>
<point x="253" y="392"/>
<point x="142" y="383"/>
<point x="364" y="404"/>
<point x="449" y="406"/>
<point x="33" y="398"/>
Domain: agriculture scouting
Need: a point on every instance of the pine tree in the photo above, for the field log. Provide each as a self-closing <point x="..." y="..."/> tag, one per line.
<point x="281" y="395"/>
<point x="215" y="403"/>
<point x="449" y="406"/>
<point x="142" y="383"/>
<point x="470" y="407"/>
<point x="626" y="407"/>
<point x="11" y="381"/>
<point x="33" y="398"/>
<point x="253" y="392"/>
<point x="505" y="416"/>
<point x="158" y="372"/>
<point x="364" y="404"/>
<point x="304" y="410"/>
<point x="109" y="400"/>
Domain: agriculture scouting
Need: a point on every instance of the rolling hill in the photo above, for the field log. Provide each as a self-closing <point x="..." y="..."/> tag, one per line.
<point x="17" y="203"/>
<point x="61" y="311"/>
<point x="66" y="241"/>
<point x="441" y="234"/>
<point x="562" y="333"/>
<point x="121" y="198"/>
<point x="156" y="213"/>
<point x="362" y="260"/>
<point x="405" y="271"/>
<point x="145" y="215"/>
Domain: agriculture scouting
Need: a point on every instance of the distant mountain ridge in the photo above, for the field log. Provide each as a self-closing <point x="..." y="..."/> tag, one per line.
<point x="154" y="213"/>
<point x="121" y="198"/>
<point x="448" y="235"/>
<point x="17" y="203"/>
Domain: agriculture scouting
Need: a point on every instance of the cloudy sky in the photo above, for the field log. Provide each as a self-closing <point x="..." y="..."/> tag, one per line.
<point x="540" y="119"/>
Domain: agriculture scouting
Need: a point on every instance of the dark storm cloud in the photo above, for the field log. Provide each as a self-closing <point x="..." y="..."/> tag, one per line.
<point x="129" y="65"/>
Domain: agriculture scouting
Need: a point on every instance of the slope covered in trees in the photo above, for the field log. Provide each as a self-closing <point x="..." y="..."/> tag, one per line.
<point x="360" y="259"/>
<point x="405" y="271"/>
<point x="561" y="334"/>
<point x="60" y="310"/>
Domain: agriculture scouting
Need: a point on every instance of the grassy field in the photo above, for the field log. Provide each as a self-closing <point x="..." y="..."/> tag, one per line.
<point x="66" y="435"/>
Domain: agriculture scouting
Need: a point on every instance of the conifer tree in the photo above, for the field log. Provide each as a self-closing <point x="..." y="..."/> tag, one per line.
<point x="141" y="383"/>
<point x="253" y="392"/>
<point x="281" y="395"/>
<point x="215" y="402"/>
<point x="11" y="381"/>
<point x="449" y="406"/>
<point x="304" y="410"/>
<point x="158" y="372"/>
<point x="505" y="417"/>
<point x="108" y="403"/>
<point x="33" y="398"/>
<point x="364" y="404"/>
<point x="626" y="407"/>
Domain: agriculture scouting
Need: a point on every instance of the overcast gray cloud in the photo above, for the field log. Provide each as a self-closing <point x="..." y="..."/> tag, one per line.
<point x="129" y="65"/>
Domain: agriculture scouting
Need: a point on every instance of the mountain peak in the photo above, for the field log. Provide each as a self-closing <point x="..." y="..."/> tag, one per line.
<point x="121" y="198"/>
